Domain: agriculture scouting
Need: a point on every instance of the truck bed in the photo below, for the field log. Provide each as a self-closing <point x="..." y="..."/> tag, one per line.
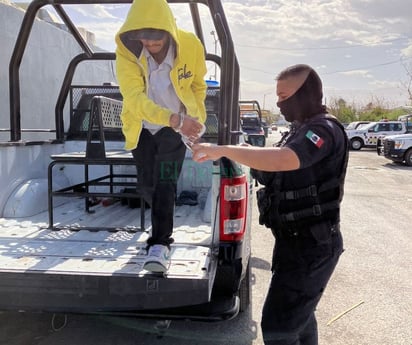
<point x="88" y="260"/>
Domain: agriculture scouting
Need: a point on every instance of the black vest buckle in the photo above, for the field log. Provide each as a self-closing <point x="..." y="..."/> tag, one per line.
<point x="317" y="210"/>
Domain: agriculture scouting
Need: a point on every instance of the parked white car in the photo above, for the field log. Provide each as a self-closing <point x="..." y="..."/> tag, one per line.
<point x="368" y="135"/>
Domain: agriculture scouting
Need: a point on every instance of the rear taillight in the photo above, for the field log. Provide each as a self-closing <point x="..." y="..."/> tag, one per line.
<point x="233" y="208"/>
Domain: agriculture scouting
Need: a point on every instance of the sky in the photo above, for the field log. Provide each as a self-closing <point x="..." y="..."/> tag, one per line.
<point x="362" y="49"/>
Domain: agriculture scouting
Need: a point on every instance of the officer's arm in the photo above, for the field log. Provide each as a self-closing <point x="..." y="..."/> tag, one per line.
<point x="259" y="158"/>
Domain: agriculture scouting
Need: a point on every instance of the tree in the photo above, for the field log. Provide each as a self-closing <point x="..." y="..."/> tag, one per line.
<point x="375" y="110"/>
<point x="344" y="113"/>
<point x="407" y="84"/>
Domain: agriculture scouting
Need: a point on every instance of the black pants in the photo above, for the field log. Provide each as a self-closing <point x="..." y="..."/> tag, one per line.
<point x="302" y="266"/>
<point x="159" y="159"/>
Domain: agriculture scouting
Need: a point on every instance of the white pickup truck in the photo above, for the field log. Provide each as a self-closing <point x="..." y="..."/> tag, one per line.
<point x="397" y="148"/>
<point x="368" y="135"/>
<point x="66" y="246"/>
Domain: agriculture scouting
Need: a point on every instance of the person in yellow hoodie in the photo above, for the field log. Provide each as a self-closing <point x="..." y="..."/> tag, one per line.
<point x="160" y="70"/>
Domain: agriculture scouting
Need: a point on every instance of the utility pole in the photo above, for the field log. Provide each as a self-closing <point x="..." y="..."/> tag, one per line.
<point x="264" y="99"/>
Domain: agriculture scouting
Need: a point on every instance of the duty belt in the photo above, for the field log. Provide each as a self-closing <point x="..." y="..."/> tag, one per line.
<point x="316" y="210"/>
<point x="310" y="191"/>
<point x="303" y="232"/>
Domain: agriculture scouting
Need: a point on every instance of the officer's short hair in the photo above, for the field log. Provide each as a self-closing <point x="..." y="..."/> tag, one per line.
<point x="310" y="92"/>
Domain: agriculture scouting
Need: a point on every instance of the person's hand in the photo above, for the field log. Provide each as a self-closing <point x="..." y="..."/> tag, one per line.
<point x="206" y="151"/>
<point x="191" y="128"/>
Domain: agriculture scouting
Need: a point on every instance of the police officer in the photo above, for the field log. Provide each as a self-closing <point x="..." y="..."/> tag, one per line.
<point x="303" y="178"/>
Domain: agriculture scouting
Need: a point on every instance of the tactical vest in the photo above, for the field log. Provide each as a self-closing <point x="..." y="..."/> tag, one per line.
<point x="316" y="199"/>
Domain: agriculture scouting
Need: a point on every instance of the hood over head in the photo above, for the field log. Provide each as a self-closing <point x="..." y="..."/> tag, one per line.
<point x="144" y="20"/>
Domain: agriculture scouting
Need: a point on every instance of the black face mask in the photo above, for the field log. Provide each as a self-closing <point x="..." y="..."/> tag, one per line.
<point x="290" y="108"/>
<point x="305" y="102"/>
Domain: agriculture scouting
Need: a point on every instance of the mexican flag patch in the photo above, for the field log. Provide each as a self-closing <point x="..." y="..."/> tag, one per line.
<point x="314" y="138"/>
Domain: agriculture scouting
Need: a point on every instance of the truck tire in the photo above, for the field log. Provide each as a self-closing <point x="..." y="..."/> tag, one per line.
<point x="408" y="158"/>
<point x="356" y="144"/>
<point x="245" y="290"/>
<point x="379" y="146"/>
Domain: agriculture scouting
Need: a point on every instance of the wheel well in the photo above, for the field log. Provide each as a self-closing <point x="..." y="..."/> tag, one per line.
<point x="356" y="139"/>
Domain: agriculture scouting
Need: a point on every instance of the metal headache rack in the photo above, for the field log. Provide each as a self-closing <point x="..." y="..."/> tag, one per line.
<point x="229" y="67"/>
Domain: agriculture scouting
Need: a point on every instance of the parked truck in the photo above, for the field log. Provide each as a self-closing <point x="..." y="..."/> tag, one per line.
<point x="251" y="122"/>
<point x="397" y="148"/>
<point x="72" y="240"/>
<point x="368" y="135"/>
<point x="407" y="119"/>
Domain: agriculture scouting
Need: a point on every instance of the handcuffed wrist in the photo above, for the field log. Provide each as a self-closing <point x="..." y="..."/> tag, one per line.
<point x="174" y="121"/>
<point x="181" y="120"/>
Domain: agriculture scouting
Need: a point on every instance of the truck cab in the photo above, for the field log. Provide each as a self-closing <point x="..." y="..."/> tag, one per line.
<point x="88" y="257"/>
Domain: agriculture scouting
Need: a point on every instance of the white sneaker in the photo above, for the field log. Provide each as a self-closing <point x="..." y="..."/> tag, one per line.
<point x="158" y="259"/>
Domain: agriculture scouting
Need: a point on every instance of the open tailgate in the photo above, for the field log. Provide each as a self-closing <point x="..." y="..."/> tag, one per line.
<point x="85" y="271"/>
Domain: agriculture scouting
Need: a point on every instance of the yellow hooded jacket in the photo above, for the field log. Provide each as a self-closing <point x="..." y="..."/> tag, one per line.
<point x="187" y="74"/>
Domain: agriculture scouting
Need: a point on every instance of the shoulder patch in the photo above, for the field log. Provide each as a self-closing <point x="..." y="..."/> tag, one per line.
<point x="314" y="138"/>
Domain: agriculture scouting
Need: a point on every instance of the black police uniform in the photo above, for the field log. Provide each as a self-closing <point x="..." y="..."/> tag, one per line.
<point x="301" y="207"/>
